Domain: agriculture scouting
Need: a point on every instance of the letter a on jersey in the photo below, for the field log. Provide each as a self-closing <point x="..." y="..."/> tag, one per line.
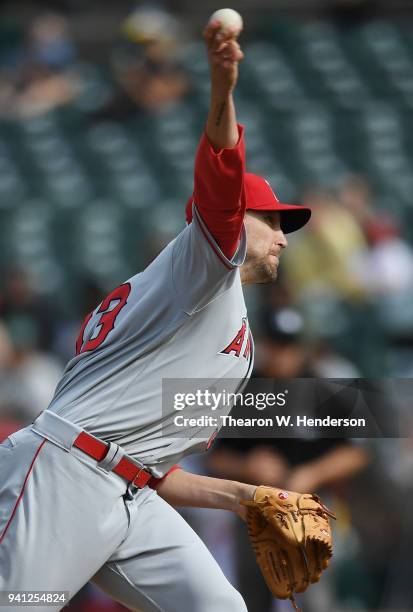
<point x="235" y="345"/>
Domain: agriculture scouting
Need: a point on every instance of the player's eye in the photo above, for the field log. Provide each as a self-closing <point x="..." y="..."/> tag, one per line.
<point x="272" y="221"/>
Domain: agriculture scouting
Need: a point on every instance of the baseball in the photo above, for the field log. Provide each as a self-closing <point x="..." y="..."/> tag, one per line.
<point x="228" y="18"/>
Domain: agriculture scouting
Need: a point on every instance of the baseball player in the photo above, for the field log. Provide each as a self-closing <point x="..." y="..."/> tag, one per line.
<point x="87" y="492"/>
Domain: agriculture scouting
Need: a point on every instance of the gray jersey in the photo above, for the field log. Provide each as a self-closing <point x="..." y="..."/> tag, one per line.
<point x="184" y="316"/>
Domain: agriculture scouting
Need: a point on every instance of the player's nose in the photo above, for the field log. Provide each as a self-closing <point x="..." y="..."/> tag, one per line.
<point x="281" y="239"/>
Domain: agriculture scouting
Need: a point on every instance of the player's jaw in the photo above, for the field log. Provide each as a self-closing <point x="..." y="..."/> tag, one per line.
<point x="265" y="242"/>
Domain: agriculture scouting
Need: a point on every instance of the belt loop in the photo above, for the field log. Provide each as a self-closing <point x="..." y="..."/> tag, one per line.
<point x="112" y="457"/>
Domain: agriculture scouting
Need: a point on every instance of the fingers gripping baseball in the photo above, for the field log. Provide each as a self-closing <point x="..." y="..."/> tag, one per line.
<point x="227" y="54"/>
<point x="224" y="53"/>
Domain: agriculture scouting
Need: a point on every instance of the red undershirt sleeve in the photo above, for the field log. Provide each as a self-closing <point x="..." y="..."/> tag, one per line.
<point x="219" y="191"/>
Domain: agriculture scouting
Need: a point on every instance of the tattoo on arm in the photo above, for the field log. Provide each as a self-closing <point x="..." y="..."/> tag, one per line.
<point x="221" y="109"/>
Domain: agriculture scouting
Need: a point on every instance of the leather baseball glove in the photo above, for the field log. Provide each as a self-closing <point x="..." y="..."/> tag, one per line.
<point x="291" y="536"/>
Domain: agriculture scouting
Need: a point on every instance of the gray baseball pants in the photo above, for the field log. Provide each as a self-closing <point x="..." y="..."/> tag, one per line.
<point x="64" y="521"/>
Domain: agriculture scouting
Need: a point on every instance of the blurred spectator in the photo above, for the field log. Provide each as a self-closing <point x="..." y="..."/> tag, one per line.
<point x="386" y="269"/>
<point x="50" y="43"/>
<point x="38" y="76"/>
<point x="145" y="65"/>
<point x="325" y="259"/>
<point x="388" y="264"/>
<point x="354" y="193"/>
<point x="283" y="352"/>
<point x="28" y="374"/>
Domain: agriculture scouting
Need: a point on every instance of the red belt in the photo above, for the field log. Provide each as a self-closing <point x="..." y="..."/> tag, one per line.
<point x="126" y="468"/>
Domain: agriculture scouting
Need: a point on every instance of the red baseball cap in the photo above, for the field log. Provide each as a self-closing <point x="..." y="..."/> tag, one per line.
<point x="260" y="197"/>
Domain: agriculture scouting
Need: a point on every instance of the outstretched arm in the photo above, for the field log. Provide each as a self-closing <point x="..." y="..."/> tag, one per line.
<point x="224" y="54"/>
<point x="220" y="159"/>
<point x="193" y="490"/>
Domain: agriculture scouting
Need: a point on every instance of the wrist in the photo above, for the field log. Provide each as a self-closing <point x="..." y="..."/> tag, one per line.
<point x="221" y="92"/>
<point x="243" y="492"/>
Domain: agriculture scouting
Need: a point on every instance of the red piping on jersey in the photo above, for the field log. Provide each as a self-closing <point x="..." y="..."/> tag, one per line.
<point x="214" y="248"/>
<point x="22" y="491"/>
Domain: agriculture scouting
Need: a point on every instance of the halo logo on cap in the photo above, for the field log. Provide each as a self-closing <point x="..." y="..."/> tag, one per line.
<point x="271" y="189"/>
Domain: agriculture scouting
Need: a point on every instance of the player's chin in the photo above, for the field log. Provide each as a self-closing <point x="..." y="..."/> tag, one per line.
<point x="272" y="274"/>
<point x="268" y="271"/>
